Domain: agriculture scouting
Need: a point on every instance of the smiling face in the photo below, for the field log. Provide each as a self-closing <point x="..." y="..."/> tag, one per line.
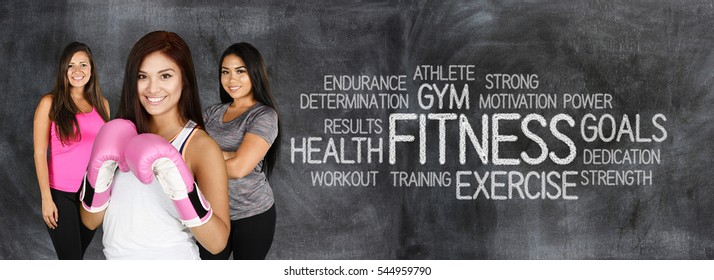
<point x="235" y="79"/>
<point x="79" y="70"/>
<point x="159" y="84"/>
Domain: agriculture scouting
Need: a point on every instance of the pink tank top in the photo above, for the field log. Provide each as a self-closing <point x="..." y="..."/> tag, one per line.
<point x="67" y="164"/>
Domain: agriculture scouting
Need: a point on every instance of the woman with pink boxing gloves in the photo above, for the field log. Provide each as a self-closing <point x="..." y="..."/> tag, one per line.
<point x="156" y="191"/>
<point x="66" y="121"/>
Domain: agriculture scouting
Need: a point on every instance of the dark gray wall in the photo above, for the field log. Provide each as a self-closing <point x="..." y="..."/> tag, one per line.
<point x="652" y="56"/>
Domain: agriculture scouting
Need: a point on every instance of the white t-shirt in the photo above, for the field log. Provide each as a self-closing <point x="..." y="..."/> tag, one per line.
<point x="141" y="221"/>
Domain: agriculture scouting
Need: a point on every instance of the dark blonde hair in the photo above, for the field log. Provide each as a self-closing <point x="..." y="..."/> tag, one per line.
<point x="63" y="111"/>
<point x="174" y="47"/>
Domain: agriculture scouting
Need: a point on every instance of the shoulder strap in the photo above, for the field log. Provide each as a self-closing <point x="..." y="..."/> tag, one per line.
<point x="180" y="142"/>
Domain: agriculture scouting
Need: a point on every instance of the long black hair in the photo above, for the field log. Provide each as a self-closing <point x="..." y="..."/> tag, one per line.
<point x="173" y="46"/>
<point x="261" y="91"/>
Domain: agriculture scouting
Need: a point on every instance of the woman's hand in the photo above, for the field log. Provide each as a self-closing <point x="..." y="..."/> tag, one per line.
<point x="49" y="213"/>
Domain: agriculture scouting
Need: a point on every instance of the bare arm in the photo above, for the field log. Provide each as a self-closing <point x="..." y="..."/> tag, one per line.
<point x="250" y="152"/>
<point x="205" y="160"/>
<point x="91" y="220"/>
<point x="41" y="138"/>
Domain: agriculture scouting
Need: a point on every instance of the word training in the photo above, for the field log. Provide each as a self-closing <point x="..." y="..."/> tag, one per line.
<point x="421" y="179"/>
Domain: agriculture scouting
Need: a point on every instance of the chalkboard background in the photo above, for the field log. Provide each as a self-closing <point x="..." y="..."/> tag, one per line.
<point x="651" y="56"/>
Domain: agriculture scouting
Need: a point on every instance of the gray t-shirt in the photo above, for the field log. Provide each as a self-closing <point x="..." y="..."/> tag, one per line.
<point x="250" y="195"/>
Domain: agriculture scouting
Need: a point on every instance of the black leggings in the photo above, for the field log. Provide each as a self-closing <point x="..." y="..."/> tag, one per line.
<point x="70" y="238"/>
<point x="250" y="238"/>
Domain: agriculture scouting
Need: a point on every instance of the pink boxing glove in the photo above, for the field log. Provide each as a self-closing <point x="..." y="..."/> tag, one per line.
<point x="107" y="154"/>
<point x="148" y="156"/>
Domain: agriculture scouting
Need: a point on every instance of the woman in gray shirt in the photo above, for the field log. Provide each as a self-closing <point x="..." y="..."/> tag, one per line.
<point x="245" y="125"/>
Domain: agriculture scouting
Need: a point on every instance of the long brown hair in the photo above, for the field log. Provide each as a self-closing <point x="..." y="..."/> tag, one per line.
<point x="63" y="111"/>
<point x="261" y="91"/>
<point x="171" y="45"/>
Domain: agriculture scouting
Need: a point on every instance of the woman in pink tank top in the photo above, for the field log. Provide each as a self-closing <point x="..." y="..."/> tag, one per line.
<point x="66" y="122"/>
